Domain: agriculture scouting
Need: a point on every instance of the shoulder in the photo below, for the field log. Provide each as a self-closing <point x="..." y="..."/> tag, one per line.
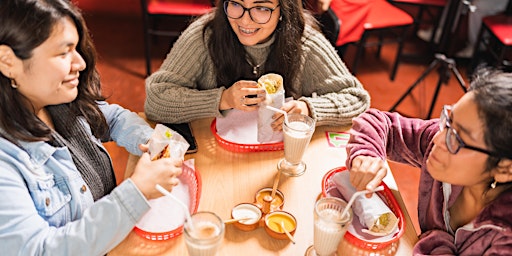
<point x="195" y="29"/>
<point x="314" y="35"/>
<point x="314" y="42"/>
<point x="192" y="43"/>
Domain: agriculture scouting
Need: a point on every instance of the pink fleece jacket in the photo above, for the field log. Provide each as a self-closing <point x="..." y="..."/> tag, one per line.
<point x="408" y="140"/>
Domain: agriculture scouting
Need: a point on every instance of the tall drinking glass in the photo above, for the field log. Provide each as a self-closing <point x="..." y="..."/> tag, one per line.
<point x="297" y="135"/>
<point x="330" y="226"/>
<point x="205" y="237"/>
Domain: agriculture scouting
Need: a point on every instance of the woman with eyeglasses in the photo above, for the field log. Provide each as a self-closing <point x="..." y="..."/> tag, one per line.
<point x="214" y="65"/>
<point x="465" y="157"/>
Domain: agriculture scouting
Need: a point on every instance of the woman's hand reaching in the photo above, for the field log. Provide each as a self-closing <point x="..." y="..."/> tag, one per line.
<point x="243" y="95"/>
<point x="367" y="172"/>
<point x="291" y="107"/>
<point x="148" y="173"/>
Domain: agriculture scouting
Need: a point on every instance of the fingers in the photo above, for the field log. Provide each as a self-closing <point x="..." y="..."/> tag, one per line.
<point x="164" y="172"/>
<point x="367" y="172"/>
<point x="144" y="147"/>
<point x="243" y="95"/>
<point x="277" y="125"/>
<point x="250" y="102"/>
<point x="291" y="107"/>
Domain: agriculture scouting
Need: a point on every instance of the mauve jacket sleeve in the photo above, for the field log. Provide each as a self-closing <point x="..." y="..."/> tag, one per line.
<point x="391" y="136"/>
<point x="435" y="242"/>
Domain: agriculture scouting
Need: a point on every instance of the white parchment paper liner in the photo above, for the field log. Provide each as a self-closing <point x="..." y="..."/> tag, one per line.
<point x="368" y="210"/>
<point x="165" y="214"/>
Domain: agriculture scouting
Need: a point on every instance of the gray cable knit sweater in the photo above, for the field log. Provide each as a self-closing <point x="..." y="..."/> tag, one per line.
<point x="185" y="88"/>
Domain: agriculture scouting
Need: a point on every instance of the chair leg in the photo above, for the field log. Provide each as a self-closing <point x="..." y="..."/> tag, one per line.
<point x="474" y="61"/>
<point x="359" y="53"/>
<point x="398" y="53"/>
<point x="501" y="57"/>
<point x="379" y="44"/>
<point x="419" y="18"/>
<point x="147" y="45"/>
<point x="147" y="53"/>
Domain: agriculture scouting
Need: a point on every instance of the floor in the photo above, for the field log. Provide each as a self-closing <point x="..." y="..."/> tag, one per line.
<point x="122" y="68"/>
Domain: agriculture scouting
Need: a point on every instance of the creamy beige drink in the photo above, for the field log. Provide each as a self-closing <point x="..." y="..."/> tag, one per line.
<point x="206" y="235"/>
<point x="297" y="135"/>
<point x="329" y="226"/>
<point x="296" y="140"/>
<point x="328" y="232"/>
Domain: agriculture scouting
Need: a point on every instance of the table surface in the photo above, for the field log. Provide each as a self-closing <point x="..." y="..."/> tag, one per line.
<point x="230" y="178"/>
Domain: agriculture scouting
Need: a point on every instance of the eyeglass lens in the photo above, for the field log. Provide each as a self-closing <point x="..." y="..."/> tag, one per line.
<point x="258" y="14"/>
<point x="452" y="143"/>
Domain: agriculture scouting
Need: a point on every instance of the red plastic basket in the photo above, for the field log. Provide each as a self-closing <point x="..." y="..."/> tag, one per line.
<point x="329" y="189"/>
<point x="237" y="147"/>
<point x="194" y="186"/>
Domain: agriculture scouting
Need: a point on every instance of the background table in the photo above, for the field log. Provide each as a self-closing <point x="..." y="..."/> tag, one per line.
<point x="230" y="178"/>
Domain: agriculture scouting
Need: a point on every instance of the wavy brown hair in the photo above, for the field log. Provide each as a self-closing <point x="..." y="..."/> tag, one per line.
<point x="229" y="55"/>
<point x="26" y="24"/>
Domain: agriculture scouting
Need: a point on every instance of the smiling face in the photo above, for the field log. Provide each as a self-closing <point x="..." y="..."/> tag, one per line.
<point x="249" y="32"/>
<point x="50" y="76"/>
<point x="467" y="167"/>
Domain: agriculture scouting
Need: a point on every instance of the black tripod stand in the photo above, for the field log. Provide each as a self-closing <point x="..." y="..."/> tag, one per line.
<point x="446" y="65"/>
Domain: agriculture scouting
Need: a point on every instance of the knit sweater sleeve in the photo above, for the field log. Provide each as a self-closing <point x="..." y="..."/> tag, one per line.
<point x="340" y="95"/>
<point x="184" y="88"/>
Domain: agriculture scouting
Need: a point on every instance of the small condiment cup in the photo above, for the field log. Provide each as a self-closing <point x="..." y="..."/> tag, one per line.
<point x="273" y="224"/>
<point x="266" y="206"/>
<point x="246" y="210"/>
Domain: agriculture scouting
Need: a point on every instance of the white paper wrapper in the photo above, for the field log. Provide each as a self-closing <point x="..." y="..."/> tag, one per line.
<point x="166" y="214"/>
<point x="163" y="138"/>
<point x="372" y="212"/>
<point x="274" y="97"/>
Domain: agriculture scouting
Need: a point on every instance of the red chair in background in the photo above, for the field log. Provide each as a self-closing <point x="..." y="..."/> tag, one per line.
<point x="361" y="20"/>
<point x="495" y="39"/>
<point x="432" y="8"/>
<point x="153" y="10"/>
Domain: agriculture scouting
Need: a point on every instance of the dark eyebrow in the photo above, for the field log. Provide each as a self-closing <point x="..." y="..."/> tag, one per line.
<point x="263" y="2"/>
<point x="461" y="129"/>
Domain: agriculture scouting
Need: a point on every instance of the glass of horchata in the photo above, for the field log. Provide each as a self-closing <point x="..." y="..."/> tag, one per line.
<point x="297" y="130"/>
<point x="330" y="226"/>
<point x="204" y="235"/>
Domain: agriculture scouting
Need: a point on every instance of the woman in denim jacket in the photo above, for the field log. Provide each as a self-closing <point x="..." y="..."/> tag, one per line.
<point x="59" y="194"/>
<point x="465" y="157"/>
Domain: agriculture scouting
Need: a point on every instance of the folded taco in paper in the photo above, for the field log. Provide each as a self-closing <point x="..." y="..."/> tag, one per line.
<point x="271" y="83"/>
<point x="166" y="143"/>
<point x="274" y="97"/>
<point x="372" y="212"/>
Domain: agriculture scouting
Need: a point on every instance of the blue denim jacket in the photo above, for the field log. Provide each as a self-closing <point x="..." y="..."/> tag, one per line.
<point x="47" y="209"/>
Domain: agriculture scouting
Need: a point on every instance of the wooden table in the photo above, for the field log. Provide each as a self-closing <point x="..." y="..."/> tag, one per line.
<point x="230" y="178"/>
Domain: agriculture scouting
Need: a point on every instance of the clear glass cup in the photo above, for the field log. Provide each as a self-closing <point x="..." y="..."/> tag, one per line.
<point x="330" y="226"/>
<point x="206" y="235"/>
<point x="297" y="135"/>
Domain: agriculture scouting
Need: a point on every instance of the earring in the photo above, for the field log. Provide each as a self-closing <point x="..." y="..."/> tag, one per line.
<point x="281" y="18"/>
<point x="493" y="185"/>
<point x="13" y="84"/>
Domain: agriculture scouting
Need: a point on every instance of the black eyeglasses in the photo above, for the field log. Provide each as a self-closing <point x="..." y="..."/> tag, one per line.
<point x="258" y="14"/>
<point x="453" y="141"/>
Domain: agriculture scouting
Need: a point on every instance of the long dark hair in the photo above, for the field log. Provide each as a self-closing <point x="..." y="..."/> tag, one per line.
<point x="493" y="97"/>
<point x="229" y="55"/>
<point x="26" y="24"/>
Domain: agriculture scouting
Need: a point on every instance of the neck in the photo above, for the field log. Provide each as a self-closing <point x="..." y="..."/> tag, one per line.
<point x="45" y="117"/>
<point x="255" y="66"/>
